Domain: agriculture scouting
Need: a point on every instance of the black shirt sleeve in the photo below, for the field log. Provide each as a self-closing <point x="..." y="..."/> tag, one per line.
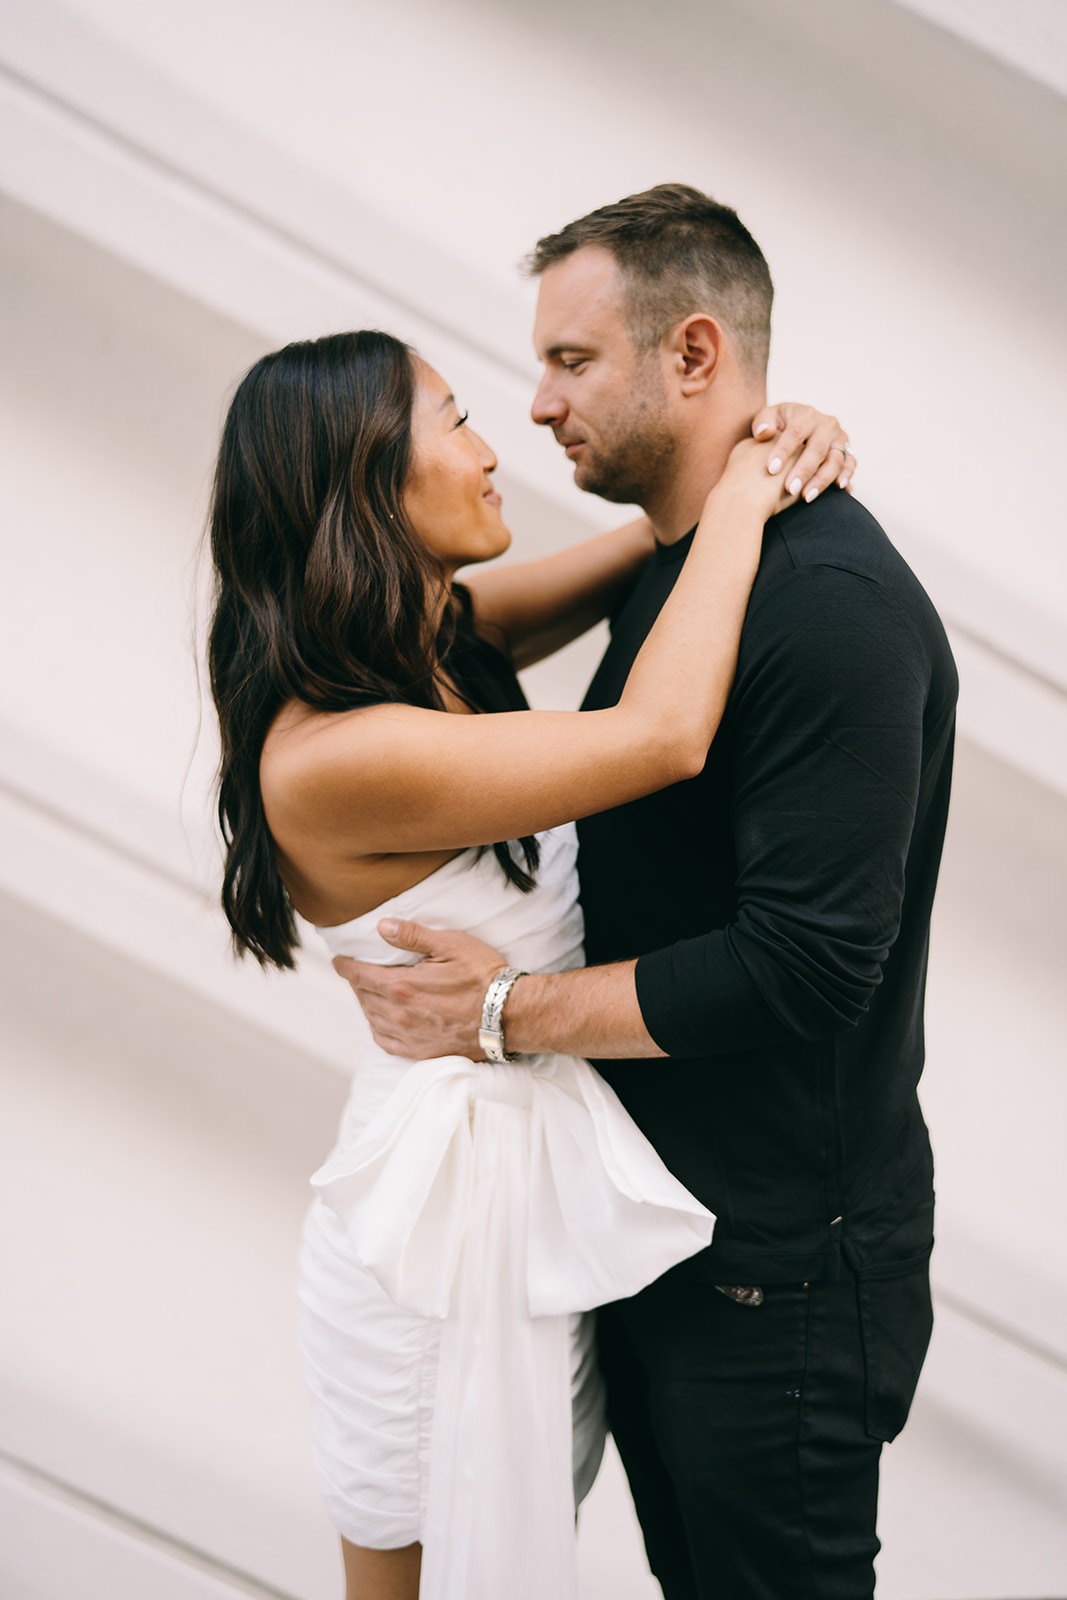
<point x="826" y="720"/>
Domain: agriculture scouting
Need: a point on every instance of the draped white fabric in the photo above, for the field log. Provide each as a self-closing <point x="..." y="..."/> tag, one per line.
<point x="500" y="1200"/>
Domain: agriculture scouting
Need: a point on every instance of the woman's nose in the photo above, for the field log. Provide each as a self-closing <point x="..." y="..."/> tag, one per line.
<point x="486" y="453"/>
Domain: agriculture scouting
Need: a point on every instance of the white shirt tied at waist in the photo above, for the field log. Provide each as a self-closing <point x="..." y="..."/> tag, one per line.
<point x="502" y="1199"/>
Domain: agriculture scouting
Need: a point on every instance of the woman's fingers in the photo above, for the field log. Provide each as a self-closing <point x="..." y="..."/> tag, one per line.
<point x="796" y="424"/>
<point x="767" y="422"/>
<point x="811" y="448"/>
<point x="819" y="460"/>
<point x="820" y="464"/>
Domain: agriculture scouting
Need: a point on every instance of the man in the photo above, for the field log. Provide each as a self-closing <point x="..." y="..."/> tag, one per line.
<point x="757" y="941"/>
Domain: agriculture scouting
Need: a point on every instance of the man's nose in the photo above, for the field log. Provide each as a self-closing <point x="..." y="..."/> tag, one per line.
<point x="547" y="407"/>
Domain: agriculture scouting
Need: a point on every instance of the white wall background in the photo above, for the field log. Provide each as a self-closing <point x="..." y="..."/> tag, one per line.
<point x="184" y="186"/>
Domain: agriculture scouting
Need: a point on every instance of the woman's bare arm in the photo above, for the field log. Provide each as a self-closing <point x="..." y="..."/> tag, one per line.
<point x="533" y="608"/>
<point x="396" y="778"/>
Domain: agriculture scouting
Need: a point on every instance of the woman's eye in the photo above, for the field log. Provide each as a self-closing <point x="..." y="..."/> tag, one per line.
<point x="463" y="419"/>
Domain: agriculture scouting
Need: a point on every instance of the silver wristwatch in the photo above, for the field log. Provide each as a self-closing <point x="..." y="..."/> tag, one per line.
<point x="491" y="1032"/>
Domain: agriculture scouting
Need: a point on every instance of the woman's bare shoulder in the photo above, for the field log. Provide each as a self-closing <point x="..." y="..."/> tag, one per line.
<point x="316" y="768"/>
<point x="307" y="752"/>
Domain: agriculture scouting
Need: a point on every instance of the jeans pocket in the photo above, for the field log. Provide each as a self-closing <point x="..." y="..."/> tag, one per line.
<point x="896" y="1319"/>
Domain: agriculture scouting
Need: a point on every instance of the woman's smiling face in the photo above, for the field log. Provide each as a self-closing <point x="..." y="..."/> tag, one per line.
<point x="449" y="496"/>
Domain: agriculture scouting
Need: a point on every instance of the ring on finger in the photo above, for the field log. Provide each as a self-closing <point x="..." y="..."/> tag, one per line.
<point x="845" y="448"/>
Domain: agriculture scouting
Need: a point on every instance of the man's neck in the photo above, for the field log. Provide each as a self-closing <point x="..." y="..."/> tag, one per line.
<point x="675" y="507"/>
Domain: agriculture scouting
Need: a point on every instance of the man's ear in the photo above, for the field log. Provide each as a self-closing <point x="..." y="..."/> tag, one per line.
<point x="696" y="348"/>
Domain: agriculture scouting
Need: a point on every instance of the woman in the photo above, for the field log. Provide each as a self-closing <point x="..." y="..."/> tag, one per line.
<point x="469" y="1213"/>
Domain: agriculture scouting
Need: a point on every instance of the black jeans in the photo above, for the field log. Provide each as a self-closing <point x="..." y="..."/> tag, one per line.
<point x="751" y="1435"/>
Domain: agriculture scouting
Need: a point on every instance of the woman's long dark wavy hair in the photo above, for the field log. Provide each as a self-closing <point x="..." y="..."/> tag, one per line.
<point x="324" y="592"/>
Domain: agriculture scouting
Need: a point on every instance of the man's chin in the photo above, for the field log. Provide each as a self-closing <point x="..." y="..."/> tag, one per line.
<point x="590" y="480"/>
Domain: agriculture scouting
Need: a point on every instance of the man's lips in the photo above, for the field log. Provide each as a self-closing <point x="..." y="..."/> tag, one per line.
<point x="571" y="445"/>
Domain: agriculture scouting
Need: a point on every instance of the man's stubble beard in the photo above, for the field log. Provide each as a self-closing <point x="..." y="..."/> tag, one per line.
<point x="637" y="447"/>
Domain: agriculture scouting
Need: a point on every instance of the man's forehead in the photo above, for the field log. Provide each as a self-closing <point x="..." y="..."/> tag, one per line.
<point x="579" y="298"/>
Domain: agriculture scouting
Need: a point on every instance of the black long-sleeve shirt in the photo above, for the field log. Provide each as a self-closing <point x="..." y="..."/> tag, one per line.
<point x="780" y="903"/>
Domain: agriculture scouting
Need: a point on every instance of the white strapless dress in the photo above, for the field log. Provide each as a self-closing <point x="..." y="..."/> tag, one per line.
<point x="467" y="1217"/>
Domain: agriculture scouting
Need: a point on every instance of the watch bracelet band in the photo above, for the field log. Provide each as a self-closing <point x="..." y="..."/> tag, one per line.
<point x="491" y="1030"/>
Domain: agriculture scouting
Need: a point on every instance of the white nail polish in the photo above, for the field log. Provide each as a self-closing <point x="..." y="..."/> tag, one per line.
<point x="794" y="487"/>
<point x="843" y="483"/>
<point x="810" y="492"/>
<point x="774" y="465"/>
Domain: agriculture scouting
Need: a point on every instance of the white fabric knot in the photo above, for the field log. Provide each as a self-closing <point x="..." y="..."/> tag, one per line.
<point x="510" y="1084"/>
<point x="502" y="1199"/>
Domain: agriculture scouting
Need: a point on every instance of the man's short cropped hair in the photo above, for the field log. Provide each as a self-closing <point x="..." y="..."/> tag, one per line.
<point x="679" y="252"/>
